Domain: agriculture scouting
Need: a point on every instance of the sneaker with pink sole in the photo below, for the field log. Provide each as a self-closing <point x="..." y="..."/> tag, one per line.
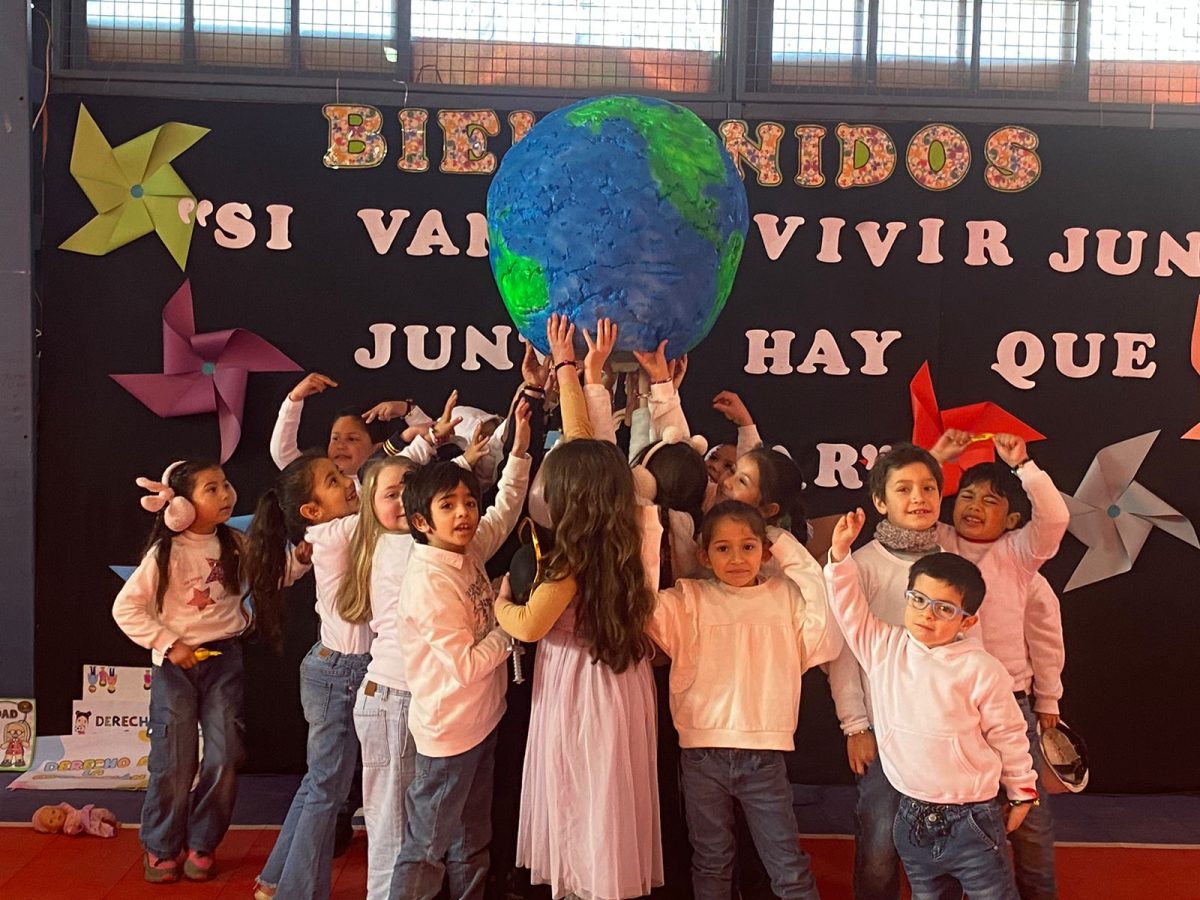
<point x="160" y="870"/>
<point x="199" y="866"/>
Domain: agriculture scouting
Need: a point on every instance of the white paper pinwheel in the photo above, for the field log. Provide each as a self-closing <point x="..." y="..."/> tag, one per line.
<point x="1113" y="514"/>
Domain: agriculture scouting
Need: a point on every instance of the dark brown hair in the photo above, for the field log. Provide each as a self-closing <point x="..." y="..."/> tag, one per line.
<point x="738" y="511"/>
<point x="597" y="541"/>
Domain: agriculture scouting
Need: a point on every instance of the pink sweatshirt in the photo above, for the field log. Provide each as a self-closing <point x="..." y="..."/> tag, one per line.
<point x="737" y="654"/>
<point x="1021" y="630"/>
<point x="948" y="727"/>
<point x="453" y="650"/>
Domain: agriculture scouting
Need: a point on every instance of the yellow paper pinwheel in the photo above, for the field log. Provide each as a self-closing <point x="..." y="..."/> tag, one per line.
<point x="133" y="187"/>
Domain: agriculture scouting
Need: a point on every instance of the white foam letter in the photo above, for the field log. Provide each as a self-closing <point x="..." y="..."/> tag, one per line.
<point x="774" y="240"/>
<point x="416" y="347"/>
<point x="837" y="466"/>
<point x="1006" y="358"/>
<point x="383" y="347"/>
<point x="381" y="236"/>
<point x="779" y="352"/>
<point x="986" y="239"/>
<point x="873" y="344"/>
<point x="1131" y="352"/>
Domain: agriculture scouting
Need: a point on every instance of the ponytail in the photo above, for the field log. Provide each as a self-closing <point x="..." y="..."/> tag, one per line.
<point x="266" y="563"/>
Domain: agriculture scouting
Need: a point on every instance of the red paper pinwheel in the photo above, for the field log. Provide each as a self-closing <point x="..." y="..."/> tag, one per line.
<point x="204" y="373"/>
<point x="1193" y="433"/>
<point x="929" y="423"/>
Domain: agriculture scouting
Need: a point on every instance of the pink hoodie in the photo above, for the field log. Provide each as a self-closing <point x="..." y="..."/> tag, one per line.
<point x="948" y="727"/>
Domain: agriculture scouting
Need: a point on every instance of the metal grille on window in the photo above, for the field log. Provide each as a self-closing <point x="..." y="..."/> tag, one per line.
<point x="1144" y="51"/>
<point x="671" y="45"/>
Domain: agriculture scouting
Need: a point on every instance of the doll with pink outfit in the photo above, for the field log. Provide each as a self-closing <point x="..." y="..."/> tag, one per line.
<point x="66" y="819"/>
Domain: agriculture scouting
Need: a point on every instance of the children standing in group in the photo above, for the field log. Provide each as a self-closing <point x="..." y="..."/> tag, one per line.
<point x="1020" y="625"/>
<point x="187" y="593"/>
<point x="949" y="729"/>
<point x="313" y="501"/>
<point x="379" y="552"/>
<point x="738" y="646"/>
<point x="454" y="656"/>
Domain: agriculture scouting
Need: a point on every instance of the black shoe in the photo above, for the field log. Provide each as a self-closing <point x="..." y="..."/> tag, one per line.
<point x="343" y="834"/>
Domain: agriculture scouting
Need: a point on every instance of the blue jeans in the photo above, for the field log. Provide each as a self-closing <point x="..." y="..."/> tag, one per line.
<point x="712" y="779"/>
<point x="951" y="848"/>
<point x="210" y="693"/>
<point x="1033" y="842"/>
<point x="448" y="825"/>
<point x="876" y="865"/>
<point x="328" y="685"/>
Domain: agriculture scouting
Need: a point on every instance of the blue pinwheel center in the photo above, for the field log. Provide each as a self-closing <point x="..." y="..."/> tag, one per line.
<point x="1113" y="511"/>
<point x="208" y="368"/>
<point x="136" y="191"/>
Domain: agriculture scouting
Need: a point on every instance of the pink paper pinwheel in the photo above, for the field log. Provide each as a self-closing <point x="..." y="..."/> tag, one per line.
<point x="204" y="373"/>
<point x="1193" y="433"/>
<point x="1113" y="515"/>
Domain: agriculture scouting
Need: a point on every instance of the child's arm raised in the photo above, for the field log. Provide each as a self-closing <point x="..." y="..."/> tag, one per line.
<point x="287" y="424"/>
<point x="673" y="624"/>
<point x="819" y="637"/>
<point x="533" y="621"/>
<point x="665" y="408"/>
<point x="1047" y="652"/>
<point x="442" y="620"/>
<point x="599" y="401"/>
<point x="1038" y="541"/>
<point x="424" y="448"/>
<point x="500" y="519"/>
<point x="560" y="332"/>
<point x="864" y="633"/>
<point x="730" y="405"/>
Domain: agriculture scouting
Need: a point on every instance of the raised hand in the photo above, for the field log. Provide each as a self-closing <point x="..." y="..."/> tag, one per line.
<point x="478" y="448"/>
<point x="312" y="383"/>
<point x="521" y="418"/>
<point x="444" y="426"/>
<point x="952" y="442"/>
<point x="560" y="332"/>
<point x="1011" y="449"/>
<point x="599" y="350"/>
<point x="678" y="369"/>
<point x="655" y="363"/>
<point x="730" y="405"/>
<point x="534" y="371"/>
<point x="388" y="410"/>
<point x="844" y="533"/>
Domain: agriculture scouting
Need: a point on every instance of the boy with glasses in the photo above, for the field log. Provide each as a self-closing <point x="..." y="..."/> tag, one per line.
<point x="949" y="731"/>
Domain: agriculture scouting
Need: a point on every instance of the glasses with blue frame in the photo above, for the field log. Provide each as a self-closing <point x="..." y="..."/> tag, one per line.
<point x="941" y="609"/>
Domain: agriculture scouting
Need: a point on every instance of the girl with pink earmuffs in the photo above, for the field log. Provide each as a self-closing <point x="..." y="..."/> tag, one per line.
<point x="186" y="595"/>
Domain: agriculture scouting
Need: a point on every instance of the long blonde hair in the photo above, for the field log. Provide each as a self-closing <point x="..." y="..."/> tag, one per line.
<point x="354" y="592"/>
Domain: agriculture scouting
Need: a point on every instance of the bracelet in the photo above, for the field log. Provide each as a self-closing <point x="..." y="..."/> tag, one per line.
<point x="1021" y="463"/>
<point x="866" y="730"/>
<point x="1036" y="801"/>
<point x="666" y="380"/>
<point x="565" y="362"/>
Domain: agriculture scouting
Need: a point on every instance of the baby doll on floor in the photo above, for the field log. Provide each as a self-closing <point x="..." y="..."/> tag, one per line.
<point x="65" y="818"/>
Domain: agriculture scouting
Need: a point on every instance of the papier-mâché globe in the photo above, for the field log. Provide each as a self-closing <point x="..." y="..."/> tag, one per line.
<point x="622" y="207"/>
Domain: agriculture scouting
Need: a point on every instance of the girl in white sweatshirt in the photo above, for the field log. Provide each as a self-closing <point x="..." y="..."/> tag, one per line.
<point x="184" y="597"/>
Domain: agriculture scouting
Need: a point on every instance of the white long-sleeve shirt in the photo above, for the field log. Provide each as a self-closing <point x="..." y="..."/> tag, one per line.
<point x="453" y="651"/>
<point x="738" y="654"/>
<point x="948" y="727"/>
<point x="1030" y="650"/>
<point x="884" y="579"/>
<point x="330" y="558"/>
<point x="388" y="568"/>
<point x="196" y="607"/>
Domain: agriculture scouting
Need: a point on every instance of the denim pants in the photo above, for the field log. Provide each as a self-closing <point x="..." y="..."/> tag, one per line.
<point x="876" y="865"/>
<point x="949" y="848"/>
<point x="1033" y="842"/>
<point x="447" y="825"/>
<point x="389" y="758"/>
<point x="328" y="684"/>
<point x="712" y="779"/>
<point x="174" y="817"/>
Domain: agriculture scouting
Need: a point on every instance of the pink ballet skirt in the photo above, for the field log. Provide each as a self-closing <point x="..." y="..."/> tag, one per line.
<point x="589" y="800"/>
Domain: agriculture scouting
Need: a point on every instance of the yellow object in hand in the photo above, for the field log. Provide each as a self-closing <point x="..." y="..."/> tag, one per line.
<point x="203" y="653"/>
<point x="982" y="436"/>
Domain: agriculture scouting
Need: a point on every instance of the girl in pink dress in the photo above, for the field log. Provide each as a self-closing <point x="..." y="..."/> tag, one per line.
<point x="589" y="822"/>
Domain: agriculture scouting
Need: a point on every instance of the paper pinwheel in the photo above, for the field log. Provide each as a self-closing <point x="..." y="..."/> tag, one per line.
<point x="204" y="373"/>
<point x="930" y="423"/>
<point x="133" y="187"/>
<point x="1114" y="515"/>
<point x="1193" y="434"/>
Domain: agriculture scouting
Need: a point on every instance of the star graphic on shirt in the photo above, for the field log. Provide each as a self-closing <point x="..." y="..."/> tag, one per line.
<point x="214" y="570"/>
<point x="200" y="598"/>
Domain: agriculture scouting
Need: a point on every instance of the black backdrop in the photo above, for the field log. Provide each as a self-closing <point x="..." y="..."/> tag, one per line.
<point x="1130" y="639"/>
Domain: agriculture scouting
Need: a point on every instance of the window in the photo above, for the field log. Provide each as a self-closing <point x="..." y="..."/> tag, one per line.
<point x="1145" y="51"/>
